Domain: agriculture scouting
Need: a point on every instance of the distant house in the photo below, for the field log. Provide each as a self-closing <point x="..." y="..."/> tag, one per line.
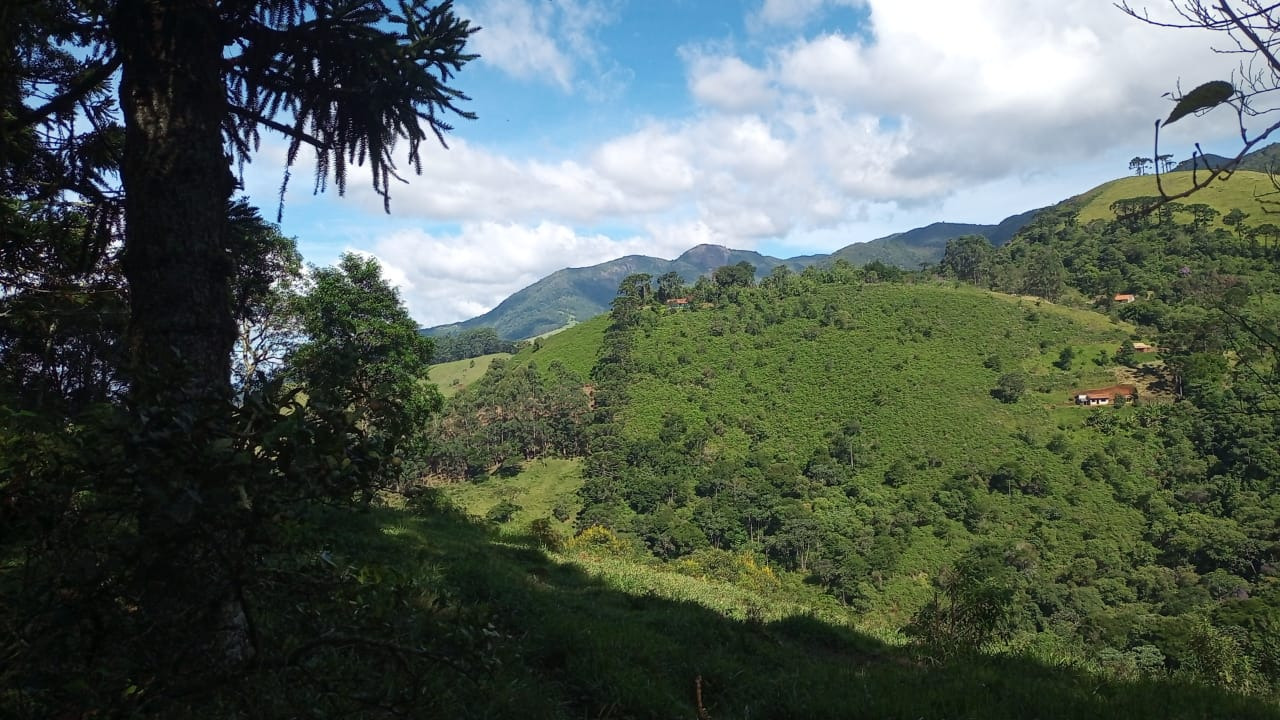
<point x="1123" y="297"/>
<point x="1143" y="347"/>
<point x="1105" y="396"/>
<point x="678" y="303"/>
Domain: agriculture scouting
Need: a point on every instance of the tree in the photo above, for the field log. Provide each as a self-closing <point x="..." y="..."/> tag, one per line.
<point x="197" y="84"/>
<point x="1044" y="275"/>
<point x="1249" y="28"/>
<point x="267" y="274"/>
<point x="1139" y="165"/>
<point x="671" y="285"/>
<point x="1009" y="387"/>
<point x="1065" y="358"/>
<point x="967" y="258"/>
<point x="742" y="274"/>
<point x="1236" y="219"/>
<point x="363" y="352"/>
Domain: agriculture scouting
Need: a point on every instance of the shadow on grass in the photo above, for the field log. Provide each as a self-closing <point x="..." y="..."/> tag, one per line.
<point x="565" y="643"/>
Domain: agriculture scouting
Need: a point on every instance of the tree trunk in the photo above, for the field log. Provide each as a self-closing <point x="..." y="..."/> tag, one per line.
<point x="177" y="186"/>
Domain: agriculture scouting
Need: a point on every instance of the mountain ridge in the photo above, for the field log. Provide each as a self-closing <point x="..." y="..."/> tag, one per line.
<point x="578" y="293"/>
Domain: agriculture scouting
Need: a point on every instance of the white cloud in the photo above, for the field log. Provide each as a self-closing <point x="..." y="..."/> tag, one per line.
<point x="449" y="277"/>
<point x="809" y="143"/>
<point x="539" y="40"/>
<point x="792" y="13"/>
<point x="728" y="83"/>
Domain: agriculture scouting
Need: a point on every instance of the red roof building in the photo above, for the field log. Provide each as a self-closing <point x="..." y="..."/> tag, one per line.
<point x="1104" y="396"/>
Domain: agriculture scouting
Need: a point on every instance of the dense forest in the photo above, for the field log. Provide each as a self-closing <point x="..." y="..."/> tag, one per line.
<point x="910" y="445"/>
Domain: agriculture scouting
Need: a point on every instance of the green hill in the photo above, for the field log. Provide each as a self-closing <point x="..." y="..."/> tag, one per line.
<point x="453" y="376"/>
<point x="1242" y="190"/>
<point x="909" y="450"/>
<point x="576" y="294"/>
<point x="582" y="293"/>
<point x="926" y="244"/>
<point x="424" y="612"/>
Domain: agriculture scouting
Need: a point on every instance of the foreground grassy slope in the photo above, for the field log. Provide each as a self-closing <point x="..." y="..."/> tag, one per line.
<point x="1241" y="191"/>
<point x="540" y="488"/>
<point x="437" y="615"/>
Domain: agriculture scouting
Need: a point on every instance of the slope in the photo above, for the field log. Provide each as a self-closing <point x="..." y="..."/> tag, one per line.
<point x="926" y="244"/>
<point x="424" y="612"/>
<point x="582" y="293"/>
<point x="1242" y="190"/>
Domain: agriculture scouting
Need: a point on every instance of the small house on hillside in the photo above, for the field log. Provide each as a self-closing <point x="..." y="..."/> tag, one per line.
<point x="679" y="303"/>
<point x="1143" y="347"/>
<point x="1105" y="396"/>
<point x="1123" y="297"/>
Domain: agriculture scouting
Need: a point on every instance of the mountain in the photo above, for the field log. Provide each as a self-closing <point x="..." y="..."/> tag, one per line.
<point x="575" y="294"/>
<point x="925" y="245"/>
<point x="1262" y="160"/>
<point x="1247" y="190"/>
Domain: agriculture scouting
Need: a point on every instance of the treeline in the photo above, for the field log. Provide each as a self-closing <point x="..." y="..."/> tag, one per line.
<point x="1143" y="538"/>
<point x="471" y="343"/>
<point x="511" y="414"/>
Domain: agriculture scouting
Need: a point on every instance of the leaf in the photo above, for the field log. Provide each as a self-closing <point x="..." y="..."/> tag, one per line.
<point x="1208" y="95"/>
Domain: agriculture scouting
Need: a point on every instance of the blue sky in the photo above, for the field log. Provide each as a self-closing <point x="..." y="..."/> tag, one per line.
<point x="610" y="127"/>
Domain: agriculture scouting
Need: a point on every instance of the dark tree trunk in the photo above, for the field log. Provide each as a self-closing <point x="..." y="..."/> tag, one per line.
<point x="177" y="185"/>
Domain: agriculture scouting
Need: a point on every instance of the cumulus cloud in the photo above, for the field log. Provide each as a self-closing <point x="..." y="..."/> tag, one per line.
<point x="538" y="40"/>
<point x="446" y="277"/>
<point x="728" y="83"/>
<point x="812" y="142"/>
<point x="793" y="13"/>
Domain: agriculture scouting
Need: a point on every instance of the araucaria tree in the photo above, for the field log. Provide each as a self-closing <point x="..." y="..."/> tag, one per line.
<point x="171" y="96"/>
<point x="1250" y="28"/>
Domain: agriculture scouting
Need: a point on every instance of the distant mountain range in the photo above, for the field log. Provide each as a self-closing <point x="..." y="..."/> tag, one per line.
<point x="1264" y="160"/>
<point x="580" y="293"/>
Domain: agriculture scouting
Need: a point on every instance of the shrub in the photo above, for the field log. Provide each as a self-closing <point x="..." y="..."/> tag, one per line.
<point x="1010" y="387"/>
<point x="545" y="533"/>
<point x="598" y="540"/>
<point x="502" y="512"/>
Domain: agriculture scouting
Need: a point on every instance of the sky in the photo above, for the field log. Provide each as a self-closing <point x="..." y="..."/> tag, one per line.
<point x="789" y="127"/>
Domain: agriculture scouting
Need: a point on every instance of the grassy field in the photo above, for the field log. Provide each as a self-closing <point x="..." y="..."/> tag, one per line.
<point x="540" y="487"/>
<point x="433" y="614"/>
<point x="452" y="377"/>
<point x="1239" y="191"/>
<point x="575" y="347"/>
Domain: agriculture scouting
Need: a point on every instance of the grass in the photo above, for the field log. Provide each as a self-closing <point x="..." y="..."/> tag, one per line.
<point x="1238" y="191"/>
<point x="538" y="489"/>
<point x="910" y="364"/>
<point x="453" y="377"/>
<point x="498" y="628"/>
<point x="576" y="347"/>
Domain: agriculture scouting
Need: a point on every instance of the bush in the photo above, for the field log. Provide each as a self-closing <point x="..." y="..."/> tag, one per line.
<point x="1010" y="387"/>
<point x="502" y="512"/>
<point x="545" y="533"/>
<point x="598" y="540"/>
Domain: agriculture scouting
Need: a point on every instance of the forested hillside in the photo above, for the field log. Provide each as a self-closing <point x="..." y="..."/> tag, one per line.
<point x="912" y="447"/>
